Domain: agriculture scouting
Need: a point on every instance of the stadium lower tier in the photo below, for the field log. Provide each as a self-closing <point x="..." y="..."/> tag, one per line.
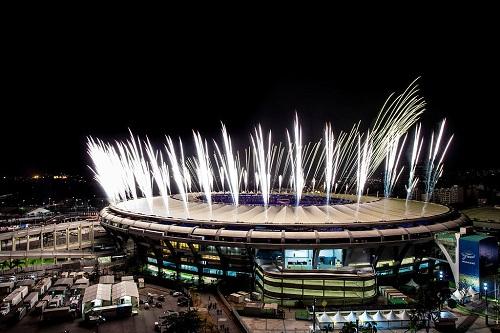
<point x="342" y="287"/>
<point x="340" y="276"/>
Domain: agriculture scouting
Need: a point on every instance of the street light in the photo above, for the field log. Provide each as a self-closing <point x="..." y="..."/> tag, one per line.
<point x="485" y="287"/>
<point x="314" y="314"/>
<point x="441" y="275"/>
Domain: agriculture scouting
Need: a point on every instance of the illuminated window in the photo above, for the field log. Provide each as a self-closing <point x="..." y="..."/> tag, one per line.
<point x="210" y="257"/>
<point x="189" y="268"/>
<point x="183" y="246"/>
<point x="152" y="260"/>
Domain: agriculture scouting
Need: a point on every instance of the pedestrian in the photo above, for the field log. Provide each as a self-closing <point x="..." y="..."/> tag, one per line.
<point x="209" y="297"/>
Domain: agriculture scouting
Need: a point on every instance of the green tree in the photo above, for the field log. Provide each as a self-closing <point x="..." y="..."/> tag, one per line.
<point x="30" y="262"/>
<point x="414" y="323"/>
<point x="429" y="299"/>
<point x="16" y="263"/>
<point x="4" y="265"/>
<point x="188" y="322"/>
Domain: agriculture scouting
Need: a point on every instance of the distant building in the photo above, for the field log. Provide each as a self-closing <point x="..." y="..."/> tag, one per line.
<point x="450" y="195"/>
<point x="39" y="212"/>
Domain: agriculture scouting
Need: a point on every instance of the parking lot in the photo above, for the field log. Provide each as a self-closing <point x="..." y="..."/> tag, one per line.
<point x="143" y="322"/>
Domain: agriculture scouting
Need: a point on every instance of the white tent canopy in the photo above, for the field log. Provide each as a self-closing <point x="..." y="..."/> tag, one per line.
<point x="338" y="318"/>
<point x="471" y="291"/>
<point x="38" y="211"/>
<point x="324" y="319"/>
<point x="351" y="317"/>
<point x="391" y="316"/>
<point x="412" y="283"/>
<point x="378" y="317"/>
<point x="458" y="295"/>
<point x="404" y="316"/>
<point x="365" y="317"/>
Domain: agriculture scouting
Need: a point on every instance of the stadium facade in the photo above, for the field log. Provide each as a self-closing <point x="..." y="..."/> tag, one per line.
<point x="339" y="252"/>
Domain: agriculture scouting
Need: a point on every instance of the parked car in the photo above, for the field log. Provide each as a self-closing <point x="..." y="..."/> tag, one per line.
<point x="182" y="301"/>
<point x="161" y="298"/>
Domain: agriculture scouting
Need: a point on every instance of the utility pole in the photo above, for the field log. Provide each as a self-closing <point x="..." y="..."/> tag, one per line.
<point x="485" y="286"/>
<point x="314" y="314"/>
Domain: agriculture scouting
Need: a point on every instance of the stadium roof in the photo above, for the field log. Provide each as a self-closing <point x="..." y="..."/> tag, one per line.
<point x="370" y="210"/>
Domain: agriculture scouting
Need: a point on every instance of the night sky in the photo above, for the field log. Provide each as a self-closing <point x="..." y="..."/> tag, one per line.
<point x="59" y="90"/>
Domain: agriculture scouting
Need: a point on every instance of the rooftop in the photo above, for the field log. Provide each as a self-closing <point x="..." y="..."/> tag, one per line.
<point x="371" y="209"/>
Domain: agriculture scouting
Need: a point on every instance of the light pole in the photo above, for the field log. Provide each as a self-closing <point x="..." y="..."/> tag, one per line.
<point x="314" y="314"/>
<point x="485" y="287"/>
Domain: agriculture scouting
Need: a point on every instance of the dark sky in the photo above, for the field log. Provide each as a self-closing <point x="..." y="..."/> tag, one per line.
<point x="59" y="88"/>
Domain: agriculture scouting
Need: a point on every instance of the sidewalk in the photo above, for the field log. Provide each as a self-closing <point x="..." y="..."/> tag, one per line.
<point x="224" y="318"/>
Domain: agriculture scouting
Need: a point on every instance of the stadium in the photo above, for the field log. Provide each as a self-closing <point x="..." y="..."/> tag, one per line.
<point x="293" y="218"/>
<point x="338" y="252"/>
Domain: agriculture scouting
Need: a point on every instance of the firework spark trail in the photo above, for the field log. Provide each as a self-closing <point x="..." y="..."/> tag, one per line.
<point x="435" y="170"/>
<point x="245" y="179"/>
<point x="331" y="161"/>
<point x="415" y="154"/>
<point x="141" y="169"/>
<point x="104" y="169"/>
<point x="262" y="155"/>
<point x="246" y="169"/>
<point x="295" y="156"/>
<point x="127" y="170"/>
<point x="177" y="172"/>
<point x="159" y="171"/>
<point x="278" y="158"/>
<point x="396" y="117"/>
<point x="228" y="162"/>
<point x="347" y="155"/>
<point x="309" y="158"/>
<point x="185" y="172"/>
<point x="204" y="171"/>
<point x="194" y="172"/>
<point x="392" y="158"/>
<point x="122" y="170"/>
<point x="364" y="158"/>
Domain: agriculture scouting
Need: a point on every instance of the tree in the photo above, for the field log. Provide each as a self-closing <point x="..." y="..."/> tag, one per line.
<point x="30" y="262"/>
<point x="4" y="264"/>
<point x="429" y="303"/>
<point x="188" y="322"/>
<point x="452" y="303"/>
<point x="16" y="263"/>
<point x="413" y="325"/>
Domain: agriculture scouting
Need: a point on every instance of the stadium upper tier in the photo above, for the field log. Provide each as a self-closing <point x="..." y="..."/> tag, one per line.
<point x="370" y="210"/>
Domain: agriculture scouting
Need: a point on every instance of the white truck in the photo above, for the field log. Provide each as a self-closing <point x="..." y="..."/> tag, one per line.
<point x="23" y="290"/>
<point x="4" y="309"/>
<point x="31" y="300"/>
<point x="56" y="301"/>
<point x="43" y="286"/>
<point x="13" y="299"/>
